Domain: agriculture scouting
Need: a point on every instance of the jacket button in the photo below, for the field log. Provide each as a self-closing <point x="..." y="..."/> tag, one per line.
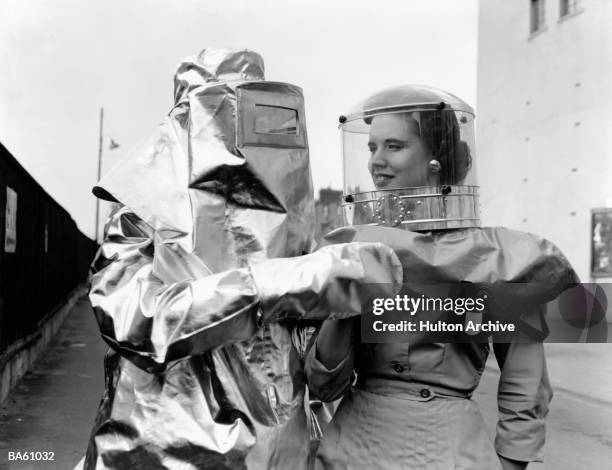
<point x="425" y="393"/>
<point x="398" y="368"/>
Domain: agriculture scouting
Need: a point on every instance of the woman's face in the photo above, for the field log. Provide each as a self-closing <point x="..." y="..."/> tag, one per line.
<point x="398" y="157"/>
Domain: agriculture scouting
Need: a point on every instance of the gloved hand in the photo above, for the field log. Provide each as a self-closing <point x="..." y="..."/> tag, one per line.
<point x="337" y="281"/>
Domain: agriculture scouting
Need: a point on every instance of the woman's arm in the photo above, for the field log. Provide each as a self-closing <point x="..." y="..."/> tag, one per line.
<point x="508" y="464"/>
<point x="523" y="396"/>
<point x="333" y="343"/>
<point x="330" y="361"/>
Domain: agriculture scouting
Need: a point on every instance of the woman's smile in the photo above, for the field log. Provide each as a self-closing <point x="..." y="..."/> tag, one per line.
<point x="381" y="180"/>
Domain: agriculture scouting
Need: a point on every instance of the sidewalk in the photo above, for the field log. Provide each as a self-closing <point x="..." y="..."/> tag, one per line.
<point x="53" y="407"/>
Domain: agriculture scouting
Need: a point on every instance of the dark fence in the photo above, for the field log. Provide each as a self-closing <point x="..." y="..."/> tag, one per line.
<point x="43" y="255"/>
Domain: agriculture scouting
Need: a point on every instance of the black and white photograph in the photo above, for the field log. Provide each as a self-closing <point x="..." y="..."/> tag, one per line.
<point x="306" y="235"/>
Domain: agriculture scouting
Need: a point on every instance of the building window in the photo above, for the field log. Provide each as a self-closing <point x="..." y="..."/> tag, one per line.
<point x="568" y="7"/>
<point x="537" y="16"/>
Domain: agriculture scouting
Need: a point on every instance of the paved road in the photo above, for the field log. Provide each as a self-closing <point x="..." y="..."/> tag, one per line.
<point x="53" y="407"/>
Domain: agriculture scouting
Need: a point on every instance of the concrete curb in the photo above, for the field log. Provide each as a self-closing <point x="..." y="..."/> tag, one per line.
<point x="21" y="355"/>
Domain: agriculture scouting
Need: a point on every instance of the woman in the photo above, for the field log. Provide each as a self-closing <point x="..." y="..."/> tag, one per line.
<point x="408" y="406"/>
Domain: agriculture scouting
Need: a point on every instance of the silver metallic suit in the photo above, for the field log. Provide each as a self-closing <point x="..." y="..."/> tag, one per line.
<point x="200" y="287"/>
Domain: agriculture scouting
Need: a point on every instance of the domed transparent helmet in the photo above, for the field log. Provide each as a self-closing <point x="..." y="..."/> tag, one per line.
<point x="409" y="160"/>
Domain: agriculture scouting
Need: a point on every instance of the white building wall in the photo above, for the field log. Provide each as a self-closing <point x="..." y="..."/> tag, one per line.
<point x="544" y="121"/>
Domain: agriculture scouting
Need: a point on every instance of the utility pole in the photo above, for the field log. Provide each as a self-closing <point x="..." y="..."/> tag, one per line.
<point x="99" y="171"/>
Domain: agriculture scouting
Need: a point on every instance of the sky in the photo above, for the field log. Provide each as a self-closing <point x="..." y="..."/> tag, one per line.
<point x="63" y="60"/>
